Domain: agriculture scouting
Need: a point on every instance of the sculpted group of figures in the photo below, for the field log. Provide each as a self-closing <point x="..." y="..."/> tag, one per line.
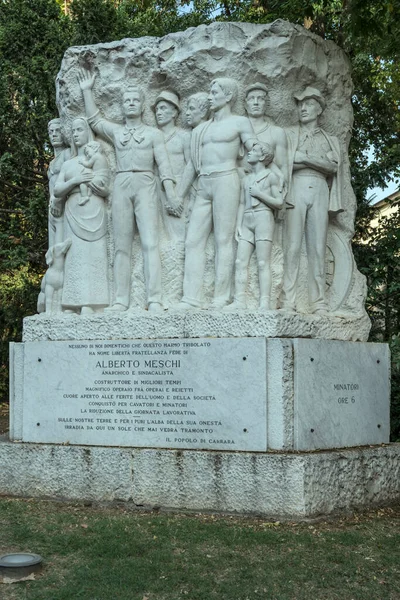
<point x="201" y="181"/>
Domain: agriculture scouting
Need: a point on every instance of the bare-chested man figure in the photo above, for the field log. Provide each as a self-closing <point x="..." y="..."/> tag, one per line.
<point x="215" y="147"/>
<point x="137" y="147"/>
<point x="177" y="143"/>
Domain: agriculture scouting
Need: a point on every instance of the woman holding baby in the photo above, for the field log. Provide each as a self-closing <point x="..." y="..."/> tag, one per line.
<point x="82" y="186"/>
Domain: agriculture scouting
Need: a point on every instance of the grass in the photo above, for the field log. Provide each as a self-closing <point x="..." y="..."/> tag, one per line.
<point x="102" y="553"/>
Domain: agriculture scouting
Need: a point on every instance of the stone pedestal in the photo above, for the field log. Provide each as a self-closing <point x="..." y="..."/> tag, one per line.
<point x="275" y="485"/>
<point x="225" y="393"/>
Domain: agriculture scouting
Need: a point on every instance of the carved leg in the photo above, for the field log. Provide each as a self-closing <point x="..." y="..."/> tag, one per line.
<point x="316" y="236"/>
<point x="123" y="230"/>
<point x="195" y="252"/>
<point x="225" y="207"/>
<point x="295" y="223"/>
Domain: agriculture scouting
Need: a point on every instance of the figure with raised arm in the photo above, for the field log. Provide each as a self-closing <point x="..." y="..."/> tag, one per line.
<point x="177" y="142"/>
<point x="261" y="197"/>
<point x="315" y="194"/>
<point x="215" y="147"/>
<point x="137" y="148"/>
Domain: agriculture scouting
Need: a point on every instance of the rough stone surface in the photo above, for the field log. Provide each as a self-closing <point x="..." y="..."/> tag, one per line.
<point x="278" y="485"/>
<point x="280" y="394"/>
<point x="142" y="325"/>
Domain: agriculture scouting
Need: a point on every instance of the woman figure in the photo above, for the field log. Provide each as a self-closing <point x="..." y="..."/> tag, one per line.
<point x="85" y="277"/>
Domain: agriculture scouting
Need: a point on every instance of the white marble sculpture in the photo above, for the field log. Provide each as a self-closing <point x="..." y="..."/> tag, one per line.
<point x="61" y="154"/>
<point x="177" y="143"/>
<point x="315" y="194"/>
<point x="54" y="276"/>
<point x="197" y="112"/>
<point x="311" y="268"/>
<point x="197" y="109"/>
<point x="215" y="146"/>
<point x="137" y="147"/>
<point x="91" y="160"/>
<point x="85" y="288"/>
<point x="255" y="105"/>
<point x="262" y="195"/>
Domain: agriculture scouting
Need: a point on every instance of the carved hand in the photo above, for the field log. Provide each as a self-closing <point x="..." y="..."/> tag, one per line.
<point x="255" y="191"/>
<point x="238" y="233"/>
<point x="83" y="178"/>
<point x="175" y="210"/>
<point x="55" y="206"/>
<point x="86" y="79"/>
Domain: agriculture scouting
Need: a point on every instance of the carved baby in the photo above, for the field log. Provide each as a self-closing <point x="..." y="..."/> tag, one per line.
<point x="92" y="153"/>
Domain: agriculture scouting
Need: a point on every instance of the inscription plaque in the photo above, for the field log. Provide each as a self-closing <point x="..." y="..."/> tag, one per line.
<point x="341" y="394"/>
<point x="201" y="393"/>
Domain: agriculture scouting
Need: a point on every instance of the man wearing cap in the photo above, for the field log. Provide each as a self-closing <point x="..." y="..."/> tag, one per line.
<point x="255" y="104"/>
<point x="215" y="147"/>
<point x="315" y="194"/>
<point x="177" y="142"/>
<point x="137" y="148"/>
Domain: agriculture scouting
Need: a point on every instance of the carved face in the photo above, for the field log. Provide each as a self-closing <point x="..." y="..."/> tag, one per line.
<point x="193" y="113"/>
<point x="254" y="155"/>
<point x="132" y="104"/>
<point x="165" y="113"/>
<point x="217" y="97"/>
<point x="255" y="103"/>
<point x="55" y="134"/>
<point x="309" y="110"/>
<point x="79" y="133"/>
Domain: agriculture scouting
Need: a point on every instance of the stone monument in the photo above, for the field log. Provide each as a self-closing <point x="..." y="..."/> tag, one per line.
<point x="196" y="364"/>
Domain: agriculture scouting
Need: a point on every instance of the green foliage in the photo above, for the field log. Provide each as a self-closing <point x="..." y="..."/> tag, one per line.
<point x="377" y="253"/>
<point x="33" y="38"/>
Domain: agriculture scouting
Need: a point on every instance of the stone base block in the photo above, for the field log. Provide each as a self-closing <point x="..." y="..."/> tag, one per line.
<point x="276" y="485"/>
<point x="139" y="324"/>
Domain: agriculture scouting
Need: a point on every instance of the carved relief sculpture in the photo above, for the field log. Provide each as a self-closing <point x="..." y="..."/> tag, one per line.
<point x="61" y="154"/>
<point x="177" y="176"/>
<point x="86" y="287"/>
<point x="315" y="194"/>
<point x="268" y="133"/>
<point x="177" y="143"/>
<point x="261" y="196"/>
<point x="137" y="148"/>
<point x="215" y="147"/>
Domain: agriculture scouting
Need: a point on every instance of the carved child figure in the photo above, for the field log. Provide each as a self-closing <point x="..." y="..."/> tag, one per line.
<point x="261" y="196"/>
<point x="92" y="153"/>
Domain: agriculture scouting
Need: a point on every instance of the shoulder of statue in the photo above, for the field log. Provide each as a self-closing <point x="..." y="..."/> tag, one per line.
<point x="263" y="174"/>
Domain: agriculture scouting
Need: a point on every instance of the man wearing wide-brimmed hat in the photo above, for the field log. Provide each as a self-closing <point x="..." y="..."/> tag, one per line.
<point x="177" y="142"/>
<point x="315" y="194"/>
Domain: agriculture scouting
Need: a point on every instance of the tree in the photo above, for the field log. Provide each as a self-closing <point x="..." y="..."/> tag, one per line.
<point x="33" y="38"/>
